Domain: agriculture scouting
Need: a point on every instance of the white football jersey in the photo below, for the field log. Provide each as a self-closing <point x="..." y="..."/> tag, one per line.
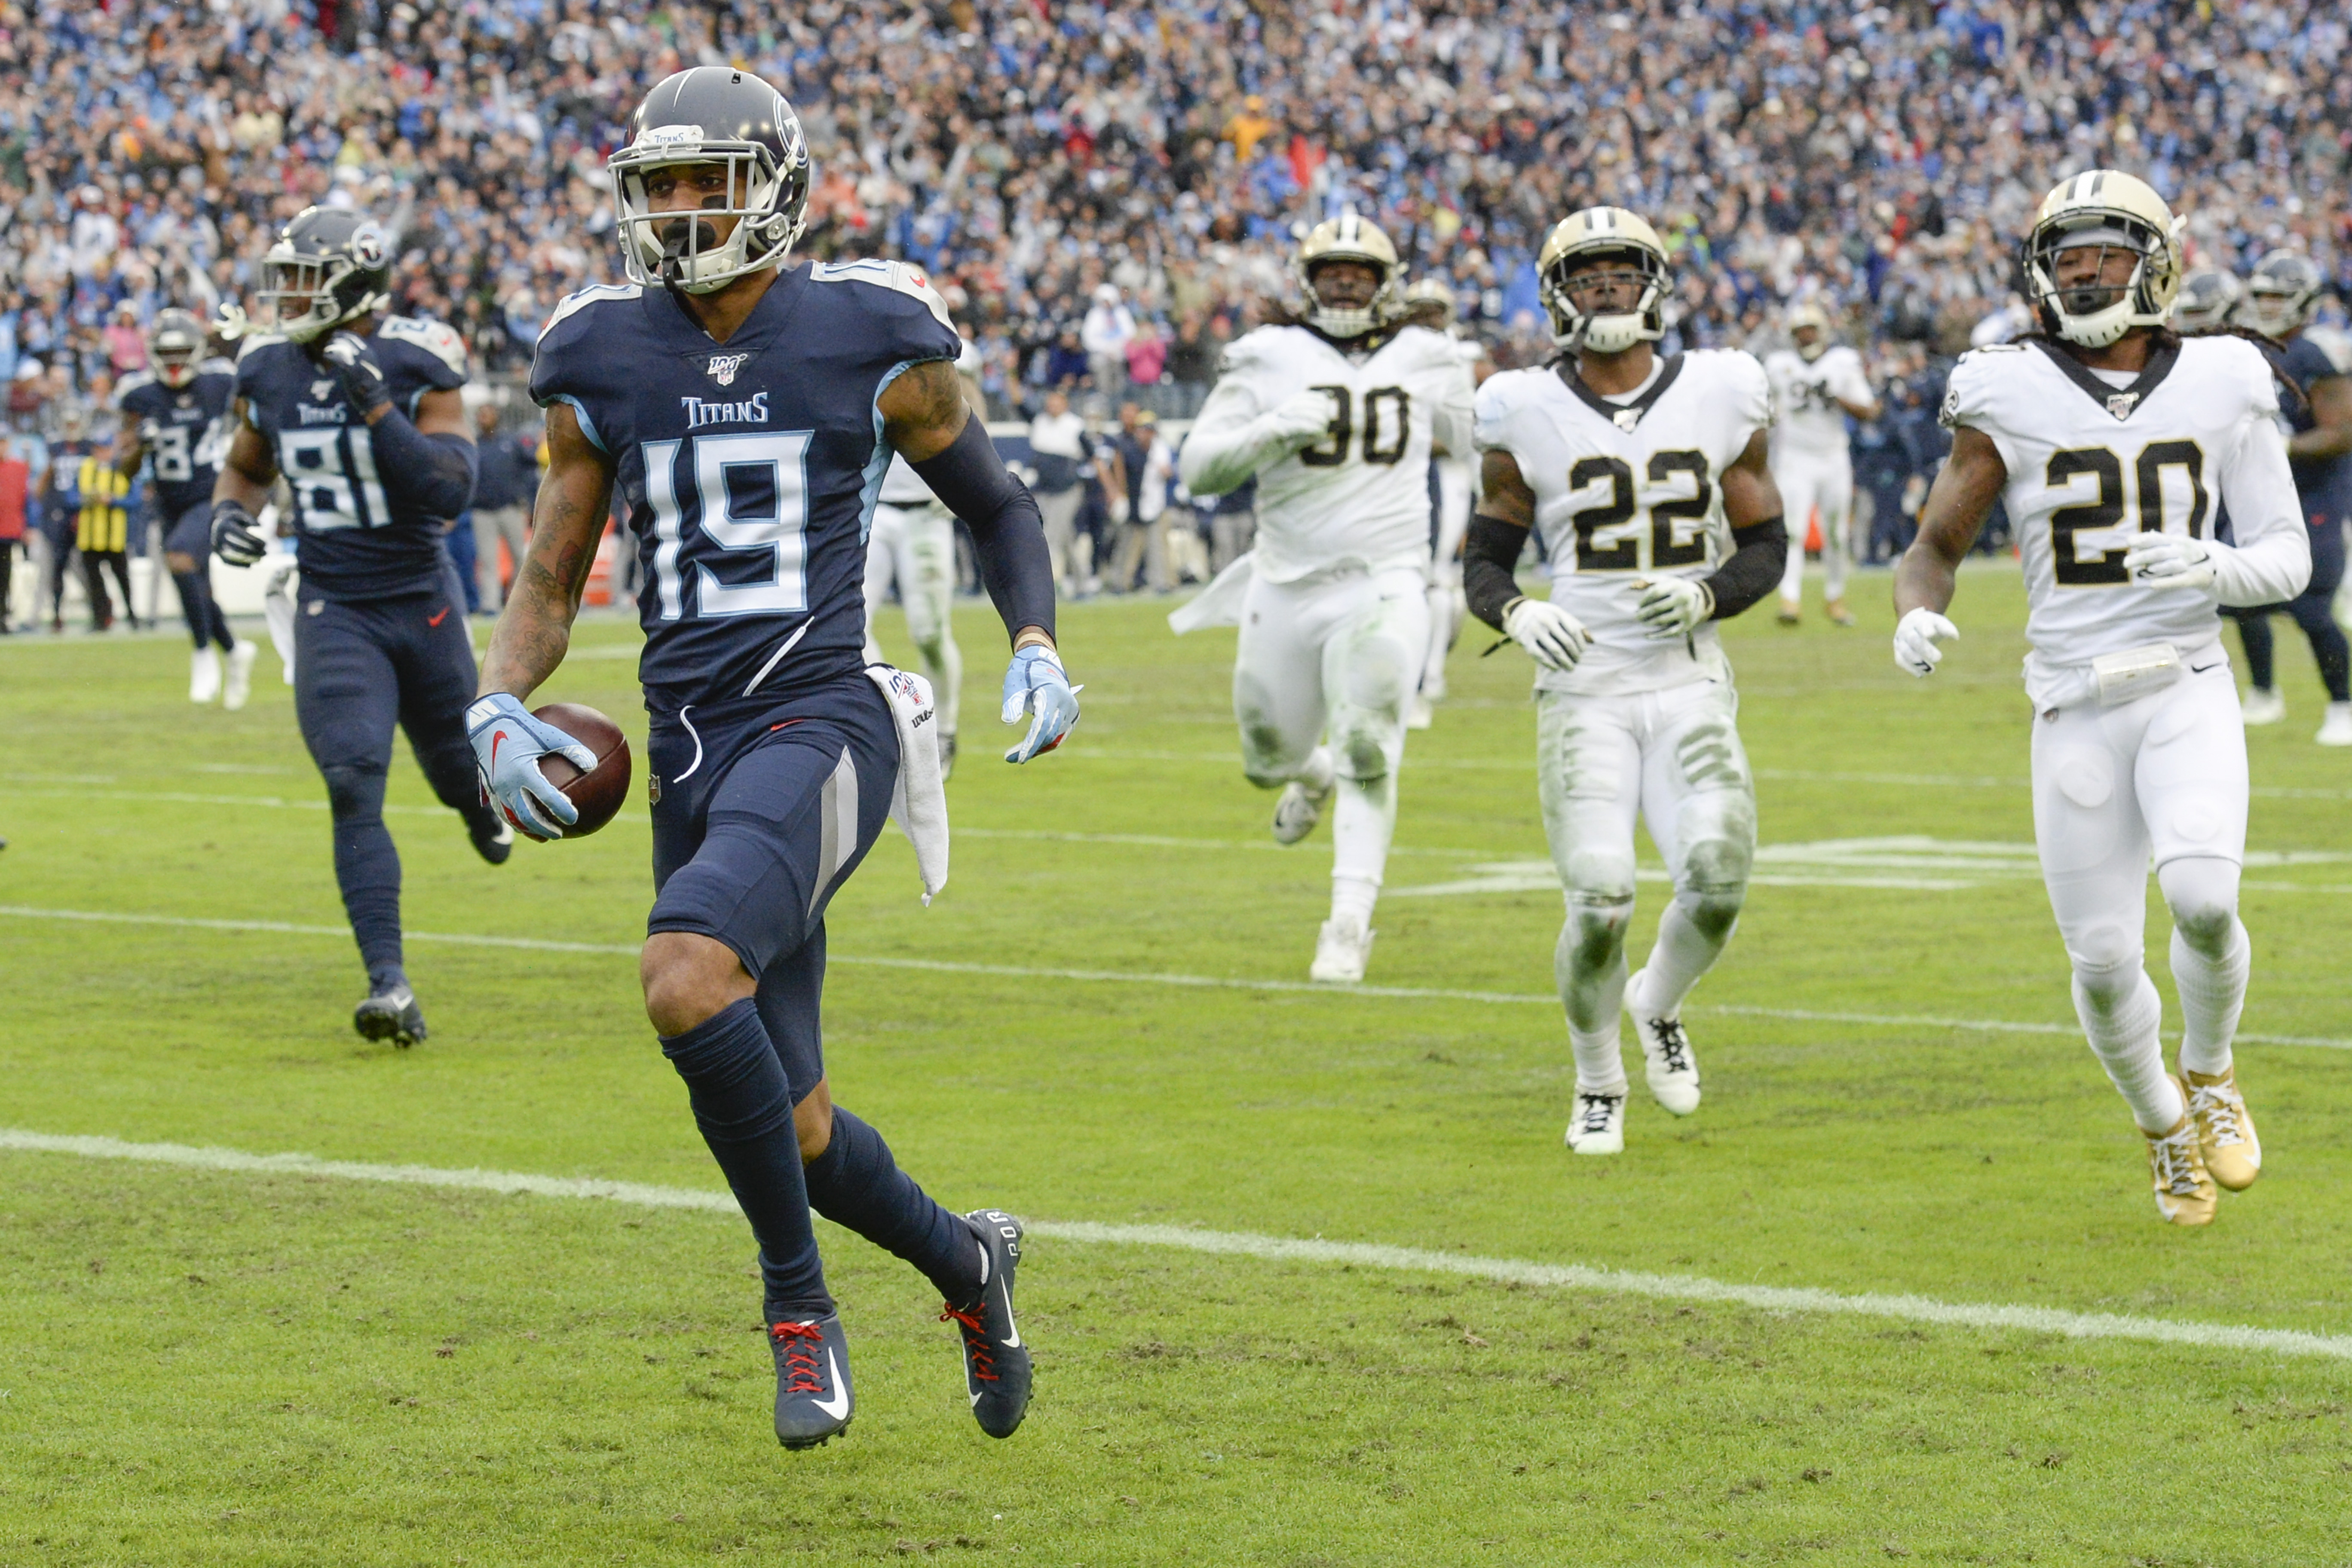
<point x="901" y="486"/>
<point x="1362" y="493"/>
<point x="2091" y="464"/>
<point x="1627" y="491"/>
<point x="1805" y="394"/>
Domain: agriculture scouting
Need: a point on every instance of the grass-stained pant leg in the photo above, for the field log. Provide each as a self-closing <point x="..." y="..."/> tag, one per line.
<point x="1698" y="799"/>
<point x="1589" y="781"/>
<point x="1278" y="699"/>
<point x="1372" y="657"/>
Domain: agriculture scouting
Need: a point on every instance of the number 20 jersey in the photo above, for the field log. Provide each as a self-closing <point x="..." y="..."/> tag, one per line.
<point x="1360" y="494"/>
<point x="1626" y="493"/>
<point x="749" y="469"/>
<point x="2091" y="464"/>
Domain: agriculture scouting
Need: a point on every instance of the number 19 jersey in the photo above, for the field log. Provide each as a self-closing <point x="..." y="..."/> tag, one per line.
<point x="2091" y="463"/>
<point x="1626" y="493"/>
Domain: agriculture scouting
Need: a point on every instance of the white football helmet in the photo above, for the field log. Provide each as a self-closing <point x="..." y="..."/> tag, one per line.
<point x="1348" y="237"/>
<point x="1600" y="233"/>
<point x="2114" y="211"/>
<point x="1810" y="315"/>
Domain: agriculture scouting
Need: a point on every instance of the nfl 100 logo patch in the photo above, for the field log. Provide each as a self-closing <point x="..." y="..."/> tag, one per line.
<point x="722" y="367"/>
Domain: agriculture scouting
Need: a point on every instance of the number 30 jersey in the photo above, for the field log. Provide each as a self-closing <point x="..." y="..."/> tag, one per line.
<point x="1628" y="492"/>
<point x="749" y="469"/>
<point x="355" y="544"/>
<point x="1360" y="494"/>
<point x="2092" y="462"/>
<point x="185" y="430"/>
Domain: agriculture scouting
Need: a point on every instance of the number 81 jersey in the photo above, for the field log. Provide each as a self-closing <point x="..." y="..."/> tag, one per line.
<point x="2093" y="461"/>
<point x="1629" y="491"/>
<point x="749" y="469"/>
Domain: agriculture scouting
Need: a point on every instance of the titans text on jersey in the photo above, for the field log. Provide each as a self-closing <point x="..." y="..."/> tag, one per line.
<point x="750" y="477"/>
<point x="355" y="543"/>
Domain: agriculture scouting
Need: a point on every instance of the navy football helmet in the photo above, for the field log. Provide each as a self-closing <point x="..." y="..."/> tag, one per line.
<point x="330" y="266"/>
<point x="712" y="114"/>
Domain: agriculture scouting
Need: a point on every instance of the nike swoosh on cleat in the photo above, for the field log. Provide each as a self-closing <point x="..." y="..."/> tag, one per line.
<point x="1013" y="1338"/>
<point x="975" y="1399"/>
<point x="838" y="1406"/>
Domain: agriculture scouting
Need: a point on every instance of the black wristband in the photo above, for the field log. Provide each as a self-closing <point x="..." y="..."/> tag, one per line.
<point x="1760" y="552"/>
<point x="1490" y="563"/>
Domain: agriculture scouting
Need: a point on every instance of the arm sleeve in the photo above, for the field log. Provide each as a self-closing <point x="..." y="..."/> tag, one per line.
<point x="2271" y="562"/>
<point x="1222" y="452"/>
<point x="433" y="474"/>
<point x="1008" y="533"/>
<point x="1454" y="427"/>
<point x="1753" y="569"/>
<point x="1490" y="563"/>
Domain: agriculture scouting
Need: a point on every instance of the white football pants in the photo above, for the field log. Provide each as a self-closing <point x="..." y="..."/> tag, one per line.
<point x="914" y="546"/>
<point x="1807" y="480"/>
<point x="1674" y="758"/>
<point x="1339" y="654"/>
<point x="1445" y="602"/>
<point x="2163" y="775"/>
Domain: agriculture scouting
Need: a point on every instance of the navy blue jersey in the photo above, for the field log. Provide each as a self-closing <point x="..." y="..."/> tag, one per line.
<point x="750" y="470"/>
<point x="2323" y="483"/>
<point x="355" y="544"/>
<point x="185" y="430"/>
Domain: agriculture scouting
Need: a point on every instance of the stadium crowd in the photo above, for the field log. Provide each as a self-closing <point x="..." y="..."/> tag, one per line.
<point x="1107" y="193"/>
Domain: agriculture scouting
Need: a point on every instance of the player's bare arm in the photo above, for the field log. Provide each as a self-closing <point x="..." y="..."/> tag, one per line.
<point x="534" y="630"/>
<point x="2330" y="435"/>
<point x="250" y="468"/>
<point x="1749" y="496"/>
<point x="1957" y="504"/>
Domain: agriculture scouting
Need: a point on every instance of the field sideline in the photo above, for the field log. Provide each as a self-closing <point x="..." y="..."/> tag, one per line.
<point x="1420" y="1332"/>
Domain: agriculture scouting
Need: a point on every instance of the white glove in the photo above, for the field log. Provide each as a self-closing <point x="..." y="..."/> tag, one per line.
<point x="1553" y="637"/>
<point x="1672" y="607"/>
<point x="1299" y="420"/>
<point x="2170" y="561"/>
<point x="1916" y="637"/>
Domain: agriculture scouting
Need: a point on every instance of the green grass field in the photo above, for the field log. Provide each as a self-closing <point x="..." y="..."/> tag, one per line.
<point x="231" y="1366"/>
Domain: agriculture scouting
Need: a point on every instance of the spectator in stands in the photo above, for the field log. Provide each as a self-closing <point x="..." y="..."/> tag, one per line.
<point x="1058" y="446"/>
<point x="1105" y="334"/>
<point x="16" y="494"/>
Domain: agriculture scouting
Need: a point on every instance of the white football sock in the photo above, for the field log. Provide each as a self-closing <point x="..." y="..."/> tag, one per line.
<point x="2212" y="995"/>
<point x="1684" y="952"/>
<point x="2122" y="1031"/>
<point x="1316" y="771"/>
<point x="1363" y="821"/>
<point x="1595" y="996"/>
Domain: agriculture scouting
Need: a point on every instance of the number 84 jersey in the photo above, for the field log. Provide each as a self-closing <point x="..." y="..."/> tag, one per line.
<point x="1627" y="491"/>
<point x="2094" y="459"/>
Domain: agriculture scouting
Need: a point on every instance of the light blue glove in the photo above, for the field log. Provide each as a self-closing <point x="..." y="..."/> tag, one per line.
<point x="1036" y="685"/>
<point x="507" y="744"/>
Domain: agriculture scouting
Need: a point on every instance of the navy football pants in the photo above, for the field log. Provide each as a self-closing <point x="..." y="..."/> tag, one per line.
<point x="2310" y="611"/>
<point x="360" y="669"/>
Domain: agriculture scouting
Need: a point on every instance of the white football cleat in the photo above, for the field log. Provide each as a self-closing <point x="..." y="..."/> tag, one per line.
<point x="1420" y="714"/>
<point x="2335" y="729"/>
<point x="1600" y="1124"/>
<point x="204" y="674"/>
<point x="240" y="674"/>
<point x="1340" y="950"/>
<point x="1298" y="811"/>
<point x="1671" y="1068"/>
<point x="2262" y="707"/>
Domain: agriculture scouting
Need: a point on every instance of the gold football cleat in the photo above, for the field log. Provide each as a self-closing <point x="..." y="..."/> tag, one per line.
<point x="2184" y="1190"/>
<point x="2225" y="1130"/>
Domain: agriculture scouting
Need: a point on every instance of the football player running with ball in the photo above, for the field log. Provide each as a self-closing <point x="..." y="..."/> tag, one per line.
<point x="361" y="415"/>
<point x="1649" y="478"/>
<point x="2115" y="444"/>
<point x="1336" y="414"/>
<point x="745" y="415"/>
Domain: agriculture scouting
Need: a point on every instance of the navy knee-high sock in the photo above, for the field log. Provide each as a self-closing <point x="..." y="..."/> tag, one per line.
<point x="223" y="637"/>
<point x="367" y="869"/>
<point x="195" y="605"/>
<point x="2254" y="631"/>
<point x="2327" y="646"/>
<point x="856" y="1185"/>
<point x="744" y="1104"/>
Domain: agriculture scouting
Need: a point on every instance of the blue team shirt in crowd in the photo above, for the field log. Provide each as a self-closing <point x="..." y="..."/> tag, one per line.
<point x="185" y="429"/>
<point x="356" y="542"/>
<point x="748" y="469"/>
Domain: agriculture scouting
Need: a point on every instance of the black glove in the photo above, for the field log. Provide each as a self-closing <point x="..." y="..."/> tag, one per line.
<point x="354" y="365"/>
<point x="237" y="537"/>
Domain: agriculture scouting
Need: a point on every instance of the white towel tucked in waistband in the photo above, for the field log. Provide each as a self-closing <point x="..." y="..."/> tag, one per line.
<point x="1219" y="604"/>
<point x="918" y="801"/>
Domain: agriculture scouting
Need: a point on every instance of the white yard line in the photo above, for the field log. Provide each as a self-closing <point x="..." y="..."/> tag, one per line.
<point x="1271" y="1248"/>
<point x="1125" y="976"/>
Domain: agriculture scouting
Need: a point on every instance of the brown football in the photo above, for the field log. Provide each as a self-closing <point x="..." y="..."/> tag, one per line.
<point x="599" y="791"/>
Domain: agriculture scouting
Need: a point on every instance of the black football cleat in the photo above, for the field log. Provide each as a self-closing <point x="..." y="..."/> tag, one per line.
<point x="812" y="1399"/>
<point x="392" y="1014"/>
<point x="493" y="836"/>
<point x="995" y="1361"/>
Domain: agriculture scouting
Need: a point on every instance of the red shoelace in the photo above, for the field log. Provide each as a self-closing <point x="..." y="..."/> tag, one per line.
<point x="800" y="1360"/>
<point x="975" y="1341"/>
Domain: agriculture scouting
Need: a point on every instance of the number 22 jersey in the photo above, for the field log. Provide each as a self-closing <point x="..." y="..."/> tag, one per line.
<point x="2093" y="461"/>
<point x="751" y="468"/>
<point x="1627" y="491"/>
